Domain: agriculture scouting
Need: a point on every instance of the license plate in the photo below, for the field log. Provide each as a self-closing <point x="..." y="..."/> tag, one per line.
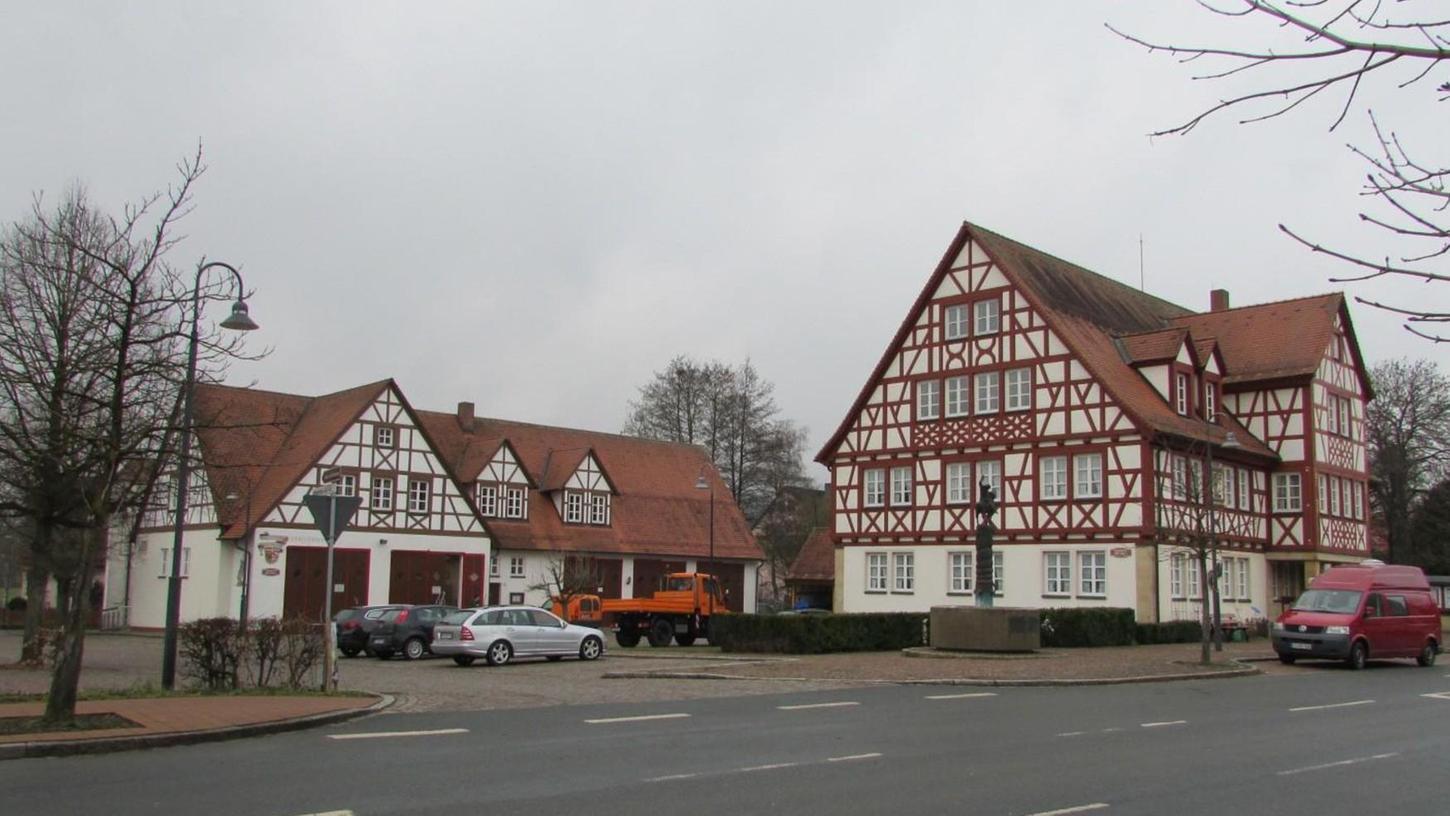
<point x="445" y="635"/>
<point x="1305" y="646"/>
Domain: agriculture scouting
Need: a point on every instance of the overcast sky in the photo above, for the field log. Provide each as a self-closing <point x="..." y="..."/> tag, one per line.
<point x="533" y="206"/>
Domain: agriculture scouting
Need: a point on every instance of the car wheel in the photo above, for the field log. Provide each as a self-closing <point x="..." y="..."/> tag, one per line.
<point x="1287" y="660"/>
<point x="1427" y="654"/>
<point x="499" y="653"/>
<point x="684" y="638"/>
<point x="414" y="648"/>
<point x="1358" y="655"/>
<point x="661" y="632"/>
<point x="464" y="660"/>
<point x="627" y="639"/>
<point x="591" y="648"/>
<point x="383" y="654"/>
<point x="350" y="651"/>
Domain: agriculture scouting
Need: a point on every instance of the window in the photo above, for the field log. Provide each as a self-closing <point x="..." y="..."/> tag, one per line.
<point x="516" y="567"/>
<point x="960" y="571"/>
<point x="1332" y="420"/>
<point x="1286" y="493"/>
<point x="1175" y="576"/>
<point x="959" y="483"/>
<point x="166" y="562"/>
<point x="493" y="567"/>
<point x="1323" y="492"/>
<point x="1359" y="501"/>
<point x="1230" y="499"/>
<point x="488" y="500"/>
<point x="1195" y="583"/>
<point x="928" y="399"/>
<point x="516" y="507"/>
<point x="956" y="396"/>
<point x="876" y="572"/>
<point x="382" y="493"/>
<point x="1343" y="405"/>
<point x="1219" y="485"/>
<point x="1245" y="498"/>
<point x="1196" y="484"/>
<point x="1019" y="389"/>
<point x="1053" y="477"/>
<point x="384" y="436"/>
<point x="1334" y="504"/>
<point x="418" y="490"/>
<point x="901" y="486"/>
<point x="991" y="471"/>
<point x="989" y="392"/>
<point x="1059" y="573"/>
<point x="1210" y="403"/>
<point x="997" y="572"/>
<point x="905" y="567"/>
<point x="875" y="488"/>
<point x="599" y="508"/>
<point x="1242" y="579"/>
<point x="1089" y="483"/>
<point x="1093" y="567"/>
<point x="573" y="507"/>
<point x="1182" y="396"/>
<point x="956" y="322"/>
<point x="1180" y="477"/>
<point x="348" y="484"/>
<point x="989" y="316"/>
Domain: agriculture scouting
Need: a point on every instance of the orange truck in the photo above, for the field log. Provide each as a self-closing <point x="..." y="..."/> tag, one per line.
<point x="680" y="610"/>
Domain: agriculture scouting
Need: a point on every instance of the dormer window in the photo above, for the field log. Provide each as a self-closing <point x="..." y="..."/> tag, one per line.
<point x="514" y="504"/>
<point x="488" y="500"/>
<point x="1182" y="394"/>
<point x="1210" y="403"/>
<point x="599" y="508"/>
<point x="573" y="507"/>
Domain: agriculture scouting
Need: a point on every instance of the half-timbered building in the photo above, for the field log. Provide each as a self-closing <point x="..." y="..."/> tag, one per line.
<point x="454" y="509"/>
<point x="1105" y="420"/>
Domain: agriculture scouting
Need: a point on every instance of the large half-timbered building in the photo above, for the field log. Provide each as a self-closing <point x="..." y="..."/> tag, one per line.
<point x="1094" y="409"/>
<point x="455" y="509"/>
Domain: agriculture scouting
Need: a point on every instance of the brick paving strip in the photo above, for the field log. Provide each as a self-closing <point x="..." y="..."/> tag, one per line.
<point x="182" y="720"/>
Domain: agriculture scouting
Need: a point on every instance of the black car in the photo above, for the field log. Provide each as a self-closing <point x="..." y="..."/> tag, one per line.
<point x="356" y="624"/>
<point x="408" y="630"/>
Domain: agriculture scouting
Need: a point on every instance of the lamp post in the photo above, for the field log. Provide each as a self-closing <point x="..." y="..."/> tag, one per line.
<point x="701" y="483"/>
<point x="1230" y="441"/>
<point x="239" y="320"/>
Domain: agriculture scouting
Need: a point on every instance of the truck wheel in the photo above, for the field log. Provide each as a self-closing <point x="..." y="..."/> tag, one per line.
<point x="1358" y="655"/>
<point x="684" y="638"/>
<point x="1427" y="654"/>
<point x="628" y="638"/>
<point x="661" y="632"/>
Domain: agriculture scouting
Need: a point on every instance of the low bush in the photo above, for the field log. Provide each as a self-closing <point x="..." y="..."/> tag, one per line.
<point x="818" y="634"/>
<point x="271" y="653"/>
<point x="1169" y="632"/>
<point x="1087" y="626"/>
<point x="210" y="652"/>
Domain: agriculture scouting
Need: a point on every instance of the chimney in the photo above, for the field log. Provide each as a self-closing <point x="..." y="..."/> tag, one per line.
<point x="1218" y="300"/>
<point x="465" y="416"/>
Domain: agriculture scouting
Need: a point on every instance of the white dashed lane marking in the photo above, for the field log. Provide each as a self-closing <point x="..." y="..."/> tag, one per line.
<point x="1438" y="695"/>
<point x="1076" y="809"/>
<point x="1332" y="705"/>
<point x="382" y="734"/>
<point x="776" y="766"/>
<point x="1338" y="764"/>
<point x="852" y="757"/>
<point x="1162" y="724"/>
<point x="840" y="704"/>
<point x="961" y="696"/>
<point x="641" y="718"/>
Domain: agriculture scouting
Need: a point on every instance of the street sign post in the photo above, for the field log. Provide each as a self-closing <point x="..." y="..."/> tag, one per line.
<point x="331" y="512"/>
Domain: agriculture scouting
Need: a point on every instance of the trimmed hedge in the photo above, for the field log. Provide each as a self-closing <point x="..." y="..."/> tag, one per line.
<point x="817" y="634"/>
<point x="1170" y="632"/>
<point x="1087" y="626"/>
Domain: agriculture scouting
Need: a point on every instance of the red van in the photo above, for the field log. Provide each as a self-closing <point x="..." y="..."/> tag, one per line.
<point x="1362" y="611"/>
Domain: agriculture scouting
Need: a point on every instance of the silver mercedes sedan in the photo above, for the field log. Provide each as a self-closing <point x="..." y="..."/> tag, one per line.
<point x="498" y="634"/>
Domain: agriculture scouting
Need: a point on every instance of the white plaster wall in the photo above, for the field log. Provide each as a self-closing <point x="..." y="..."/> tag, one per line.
<point x="1171" y="608"/>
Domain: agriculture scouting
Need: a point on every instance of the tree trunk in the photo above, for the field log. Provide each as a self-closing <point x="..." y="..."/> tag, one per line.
<point x="74" y="602"/>
<point x="37" y="578"/>
<point x="1206" y="614"/>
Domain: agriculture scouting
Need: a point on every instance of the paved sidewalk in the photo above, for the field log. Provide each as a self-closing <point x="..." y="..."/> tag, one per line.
<point x="179" y="720"/>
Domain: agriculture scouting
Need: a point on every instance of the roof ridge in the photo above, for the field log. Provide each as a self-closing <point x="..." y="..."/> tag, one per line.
<point x="1263" y="304"/>
<point x="612" y="434"/>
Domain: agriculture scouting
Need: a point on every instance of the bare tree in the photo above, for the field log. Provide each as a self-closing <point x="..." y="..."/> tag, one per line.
<point x="567" y="577"/>
<point x="1187" y="497"/>
<point x="1347" y="46"/>
<point x="93" y="329"/>
<point x="732" y="413"/>
<point x="1407" y="427"/>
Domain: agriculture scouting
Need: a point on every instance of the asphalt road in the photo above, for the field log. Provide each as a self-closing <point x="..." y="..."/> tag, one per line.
<point x="1324" y="742"/>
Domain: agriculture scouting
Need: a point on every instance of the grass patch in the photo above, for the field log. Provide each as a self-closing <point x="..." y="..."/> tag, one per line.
<point x="13" y="726"/>
<point x="148" y="691"/>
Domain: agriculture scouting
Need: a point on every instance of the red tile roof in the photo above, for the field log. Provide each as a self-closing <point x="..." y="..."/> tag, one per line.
<point x="817" y="559"/>
<point x="1109" y="325"/>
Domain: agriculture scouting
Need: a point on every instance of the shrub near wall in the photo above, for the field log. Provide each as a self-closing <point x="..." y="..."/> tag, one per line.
<point x="1087" y="626"/>
<point x="817" y="634"/>
<point x="1170" y="632"/>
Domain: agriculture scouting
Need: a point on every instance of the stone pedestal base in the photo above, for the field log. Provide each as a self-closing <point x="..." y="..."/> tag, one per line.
<point x="999" y="629"/>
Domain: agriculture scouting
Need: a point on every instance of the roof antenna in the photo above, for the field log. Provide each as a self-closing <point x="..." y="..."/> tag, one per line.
<point x="1140" y="262"/>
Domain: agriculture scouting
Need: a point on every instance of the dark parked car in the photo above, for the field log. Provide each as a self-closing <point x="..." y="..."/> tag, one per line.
<point x="408" y="630"/>
<point x="355" y="625"/>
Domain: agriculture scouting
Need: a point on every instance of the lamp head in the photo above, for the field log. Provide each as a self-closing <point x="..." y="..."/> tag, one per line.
<point x="700" y="483"/>
<point x="1231" y="441"/>
<point x="239" y="320"/>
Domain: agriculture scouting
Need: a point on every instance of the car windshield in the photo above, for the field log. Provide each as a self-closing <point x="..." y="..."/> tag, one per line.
<point x="680" y="584"/>
<point x="1339" y="601"/>
<point x="457" y="618"/>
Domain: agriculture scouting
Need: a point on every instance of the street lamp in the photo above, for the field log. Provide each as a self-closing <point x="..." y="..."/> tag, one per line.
<point x="1230" y="442"/>
<point x="239" y="320"/>
<point x="701" y="483"/>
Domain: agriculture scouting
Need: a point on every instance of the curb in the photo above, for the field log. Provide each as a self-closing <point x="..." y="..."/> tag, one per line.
<point x="107" y="745"/>
<point x="668" y="674"/>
